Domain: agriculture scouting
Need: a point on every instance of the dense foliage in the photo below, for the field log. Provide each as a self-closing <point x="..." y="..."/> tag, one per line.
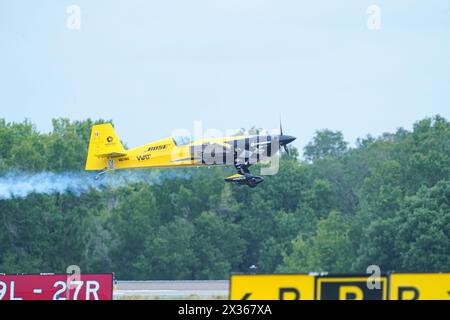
<point x="385" y="201"/>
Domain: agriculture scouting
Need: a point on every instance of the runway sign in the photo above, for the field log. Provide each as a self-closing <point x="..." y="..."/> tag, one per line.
<point x="56" y="287"/>
<point x="419" y="286"/>
<point x="351" y="288"/>
<point x="272" y="287"/>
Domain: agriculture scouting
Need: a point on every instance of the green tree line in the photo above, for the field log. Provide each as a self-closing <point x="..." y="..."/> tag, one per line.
<point x="384" y="201"/>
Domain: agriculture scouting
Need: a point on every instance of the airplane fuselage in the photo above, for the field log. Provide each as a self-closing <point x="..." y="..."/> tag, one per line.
<point x="107" y="153"/>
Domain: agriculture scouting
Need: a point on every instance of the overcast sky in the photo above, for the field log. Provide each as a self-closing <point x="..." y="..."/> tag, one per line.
<point x="155" y="66"/>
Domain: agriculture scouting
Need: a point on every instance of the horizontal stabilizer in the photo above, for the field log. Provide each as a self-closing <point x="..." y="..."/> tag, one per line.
<point x="111" y="155"/>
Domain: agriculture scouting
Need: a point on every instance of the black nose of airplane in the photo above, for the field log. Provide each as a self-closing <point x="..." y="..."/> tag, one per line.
<point x="284" y="139"/>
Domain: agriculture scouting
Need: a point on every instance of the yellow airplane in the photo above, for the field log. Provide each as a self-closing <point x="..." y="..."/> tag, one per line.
<point x="106" y="153"/>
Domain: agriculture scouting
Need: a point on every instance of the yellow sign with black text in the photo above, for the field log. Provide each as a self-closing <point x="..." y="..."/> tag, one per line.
<point x="272" y="287"/>
<point x="396" y="286"/>
<point x="419" y="286"/>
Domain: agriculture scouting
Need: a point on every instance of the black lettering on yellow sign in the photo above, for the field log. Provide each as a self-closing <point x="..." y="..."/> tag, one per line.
<point x="408" y="293"/>
<point x="349" y="288"/>
<point x="272" y="287"/>
<point x="419" y="286"/>
<point x="410" y="286"/>
<point x="289" y="294"/>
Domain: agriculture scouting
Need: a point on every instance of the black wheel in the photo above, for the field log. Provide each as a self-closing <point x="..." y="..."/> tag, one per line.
<point x="252" y="183"/>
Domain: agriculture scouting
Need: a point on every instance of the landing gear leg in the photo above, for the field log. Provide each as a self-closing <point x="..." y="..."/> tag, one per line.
<point x="250" y="180"/>
<point x="110" y="168"/>
<point x="242" y="168"/>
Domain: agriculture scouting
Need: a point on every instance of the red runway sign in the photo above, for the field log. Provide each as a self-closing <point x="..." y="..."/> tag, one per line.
<point x="56" y="287"/>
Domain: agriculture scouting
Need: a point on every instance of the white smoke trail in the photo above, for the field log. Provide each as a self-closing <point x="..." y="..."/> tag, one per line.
<point x="20" y="184"/>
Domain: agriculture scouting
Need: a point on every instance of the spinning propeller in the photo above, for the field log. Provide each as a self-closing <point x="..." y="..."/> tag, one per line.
<point x="285" y="139"/>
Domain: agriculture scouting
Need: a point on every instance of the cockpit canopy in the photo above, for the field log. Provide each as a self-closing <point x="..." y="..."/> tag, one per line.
<point x="181" y="140"/>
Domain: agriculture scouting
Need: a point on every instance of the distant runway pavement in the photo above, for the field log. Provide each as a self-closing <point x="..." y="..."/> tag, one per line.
<point x="193" y="289"/>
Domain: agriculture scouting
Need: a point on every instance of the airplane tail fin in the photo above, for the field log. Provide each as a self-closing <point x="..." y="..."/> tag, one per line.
<point x="104" y="144"/>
